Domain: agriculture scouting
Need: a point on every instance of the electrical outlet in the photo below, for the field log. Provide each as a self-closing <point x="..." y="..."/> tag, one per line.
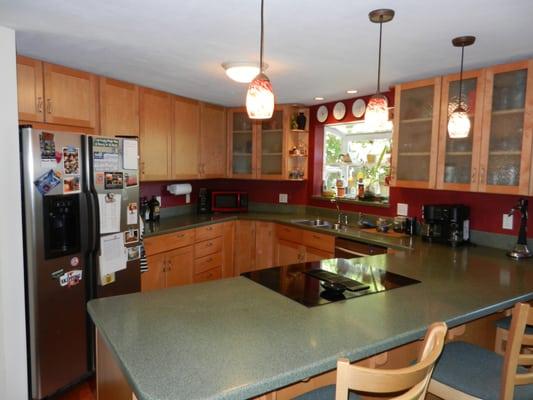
<point x="402" y="208"/>
<point x="507" y="222"/>
<point x="283" y="198"/>
<point x="187" y="198"/>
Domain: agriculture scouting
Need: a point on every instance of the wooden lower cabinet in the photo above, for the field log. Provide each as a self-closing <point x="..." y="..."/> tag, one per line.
<point x="289" y="252"/>
<point x="153" y="279"/>
<point x="179" y="268"/>
<point x="244" y="252"/>
<point x="312" y="254"/>
<point x="169" y="268"/>
<point x="264" y="245"/>
<point x="295" y="245"/>
<point x="228" y="248"/>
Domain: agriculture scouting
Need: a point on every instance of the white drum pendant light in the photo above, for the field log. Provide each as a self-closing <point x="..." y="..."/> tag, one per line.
<point x="459" y="123"/>
<point x="260" y="96"/>
<point x="377" y="109"/>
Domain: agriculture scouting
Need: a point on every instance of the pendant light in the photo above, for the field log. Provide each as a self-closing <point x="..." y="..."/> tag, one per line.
<point x="260" y="96"/>
<point x="377" y="109"/>
<point x="459" y="123"/>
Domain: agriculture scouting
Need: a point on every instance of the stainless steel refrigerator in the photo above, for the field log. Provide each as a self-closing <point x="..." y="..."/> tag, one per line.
<point x="81" y="238"/>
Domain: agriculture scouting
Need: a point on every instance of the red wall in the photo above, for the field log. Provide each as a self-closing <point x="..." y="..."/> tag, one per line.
<point x="258" y="191"/>
<point x="486" y="209"/>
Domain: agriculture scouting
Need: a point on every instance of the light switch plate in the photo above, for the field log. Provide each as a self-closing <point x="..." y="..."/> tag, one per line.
<point x="507" y="222"/>
<point x="402" y="208"/>
<point x="283" y="198"/>
<point x="187" y="198"/>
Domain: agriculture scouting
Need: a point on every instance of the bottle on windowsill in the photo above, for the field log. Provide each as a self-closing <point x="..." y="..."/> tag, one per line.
<point x="360" y="189"/>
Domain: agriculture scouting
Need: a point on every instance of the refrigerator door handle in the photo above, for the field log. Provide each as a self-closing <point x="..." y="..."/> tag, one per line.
<point x="92" y="200"/>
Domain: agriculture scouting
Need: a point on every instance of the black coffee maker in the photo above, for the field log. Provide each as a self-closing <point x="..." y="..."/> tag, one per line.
<point x="446" y="223"/>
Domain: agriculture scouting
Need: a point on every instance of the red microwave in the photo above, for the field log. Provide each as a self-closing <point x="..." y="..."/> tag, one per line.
<point x="229" y="201"/>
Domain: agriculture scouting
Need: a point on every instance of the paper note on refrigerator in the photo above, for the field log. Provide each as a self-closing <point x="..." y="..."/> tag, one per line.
<point x="109" y="205"/>
<point x="113" y="254"/>
<point x="130" y="154"/>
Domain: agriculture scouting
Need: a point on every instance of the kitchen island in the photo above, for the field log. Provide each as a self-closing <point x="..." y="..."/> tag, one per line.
<point x="235" y="339"/>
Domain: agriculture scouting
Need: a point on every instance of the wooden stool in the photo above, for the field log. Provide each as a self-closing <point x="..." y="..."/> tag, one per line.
<point x="465" y="371"/>
<point x="412" y="380"/>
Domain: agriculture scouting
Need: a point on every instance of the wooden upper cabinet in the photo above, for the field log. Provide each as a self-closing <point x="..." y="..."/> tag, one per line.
<point x="213" y="141"/>
<point x="241" y="145"/>
<point x="271" y="147"/>
<point x="505" y="165"/>
<point x="70" y="96"/>
<point x="155" y="134"/>
<point x="458" y="159"/>
<point x="30" y="89"/>
<point x="119" y="108"/>
<point x="185" y="138"/>
<point x="415" y="134"/>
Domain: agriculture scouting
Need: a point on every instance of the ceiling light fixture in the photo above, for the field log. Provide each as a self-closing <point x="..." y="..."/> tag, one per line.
<point x="459" y="123"/>
<point x="260" y="96"/>
<point x="242" y="72"/>
<point x="351" y="91"/>
<point x="318" y="98"/>
<point x="377" y="109"/>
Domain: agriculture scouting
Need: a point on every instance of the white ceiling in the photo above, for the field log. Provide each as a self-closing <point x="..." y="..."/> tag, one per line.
<point x="313" y="47"/>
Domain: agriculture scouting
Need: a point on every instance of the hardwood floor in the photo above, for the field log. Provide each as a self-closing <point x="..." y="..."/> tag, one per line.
<point x="83" y="391"/>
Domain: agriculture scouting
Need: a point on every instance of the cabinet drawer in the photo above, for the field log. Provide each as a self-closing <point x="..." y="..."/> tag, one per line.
<point x="207" y="262"/>
<point x="289" y="233"/>
<point x="210" y="275"/>
<point x="208" y="232"/>
<point x="170" y="241"/>
<point x="207" y="247"/>
<point x="319" y="241"/>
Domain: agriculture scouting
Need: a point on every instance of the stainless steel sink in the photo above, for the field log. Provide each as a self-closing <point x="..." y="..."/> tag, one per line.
<point x="317" y="223"/>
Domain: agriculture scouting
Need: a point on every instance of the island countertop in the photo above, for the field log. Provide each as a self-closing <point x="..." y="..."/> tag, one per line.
<point x="235" y="339"/>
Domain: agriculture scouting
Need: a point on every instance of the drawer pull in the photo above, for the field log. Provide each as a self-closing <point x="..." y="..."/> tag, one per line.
<point x="209" y="228"/>
<point x="209" y="259"/>
<point x="180" y="235"/>
<point x="209" y="244"/>
<point x="316" y="237"/>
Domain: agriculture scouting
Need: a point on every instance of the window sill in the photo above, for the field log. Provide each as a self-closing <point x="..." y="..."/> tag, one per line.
<point x="369" y="203"/>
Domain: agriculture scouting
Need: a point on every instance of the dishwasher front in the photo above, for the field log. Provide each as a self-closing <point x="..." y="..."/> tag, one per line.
<point x="346" y="248"/>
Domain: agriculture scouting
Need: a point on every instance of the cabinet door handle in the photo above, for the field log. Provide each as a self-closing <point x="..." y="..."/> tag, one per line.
<point x="169" y="266"/>
<point x="316" y="237"/>
<point x="142" y="168"/>
<point x="49" y="108"/>
<point x="209" y="244"/>
<point x="482" y="175"/>
<point x="474" y="175"/>
<point x="164" y="266"/>
<point x="39" y="105"/>
<point x="209" y="228"/>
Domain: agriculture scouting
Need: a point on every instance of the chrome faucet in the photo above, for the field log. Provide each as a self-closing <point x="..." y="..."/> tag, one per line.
<point x="342" y="219"/>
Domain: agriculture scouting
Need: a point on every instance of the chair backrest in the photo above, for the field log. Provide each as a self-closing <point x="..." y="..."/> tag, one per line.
<point x="514" y="356"/>
<point x="414" y="378"/>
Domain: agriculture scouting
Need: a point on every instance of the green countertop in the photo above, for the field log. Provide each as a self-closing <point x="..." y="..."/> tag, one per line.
<point x="174" y="224"/>
<point x="235" y="339"/>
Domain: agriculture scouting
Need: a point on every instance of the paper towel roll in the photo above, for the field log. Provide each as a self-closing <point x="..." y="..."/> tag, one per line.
<point x="179" y="189"/>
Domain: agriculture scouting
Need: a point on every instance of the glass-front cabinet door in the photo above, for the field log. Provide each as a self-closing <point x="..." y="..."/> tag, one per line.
<point x="271" y="147"/>
<point x="507" y="129"/>
<point x="241" y="137"/>
<point x="415" y="135"/>
<point x="458" y="159"/>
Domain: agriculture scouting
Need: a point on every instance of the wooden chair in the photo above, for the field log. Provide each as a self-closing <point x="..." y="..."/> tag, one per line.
<point x="411" y="381"/>
<point x="502" y="333"/>
<point x="468" y="372"/>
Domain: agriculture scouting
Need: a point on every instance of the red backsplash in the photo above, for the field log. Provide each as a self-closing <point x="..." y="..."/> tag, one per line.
<point x="486" y="209"/>
<point x="258" y="191"/>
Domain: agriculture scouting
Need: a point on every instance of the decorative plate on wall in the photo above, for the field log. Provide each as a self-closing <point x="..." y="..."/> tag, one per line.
<point x="322" y="113"/>
<point x="339" y="111"/>
<point x="358" y="108"/>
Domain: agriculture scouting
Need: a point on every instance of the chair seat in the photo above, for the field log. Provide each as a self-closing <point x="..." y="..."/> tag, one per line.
<point x="324" y="393"/>
<point x="475" y="371"/>
<point x="505" y="323"/>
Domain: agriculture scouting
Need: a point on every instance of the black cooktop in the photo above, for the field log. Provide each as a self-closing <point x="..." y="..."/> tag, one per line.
<point x="322" y="282"/>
